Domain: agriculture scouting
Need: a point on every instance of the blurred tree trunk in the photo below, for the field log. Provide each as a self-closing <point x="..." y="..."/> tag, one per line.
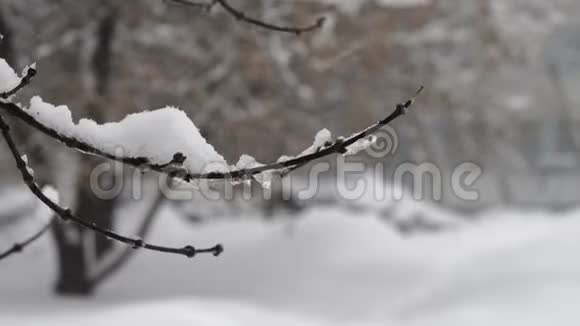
<point x="72" y="264"/>
<point x="487" y="127"/>
<point x="76" y="255"/>
<point x="6" y="46"/>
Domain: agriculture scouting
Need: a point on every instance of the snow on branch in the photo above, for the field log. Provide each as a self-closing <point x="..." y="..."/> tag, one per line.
<point x="167" y="141"/>
<point x="159" y="140"/>
<point x="241" y="16"/>
<point x="164" y="140"/>
<point x="10" y="83"/>
<point x="66" y="214"/>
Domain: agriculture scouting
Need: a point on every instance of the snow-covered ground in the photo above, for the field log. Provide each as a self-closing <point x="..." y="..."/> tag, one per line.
<point x="330" y="266"/>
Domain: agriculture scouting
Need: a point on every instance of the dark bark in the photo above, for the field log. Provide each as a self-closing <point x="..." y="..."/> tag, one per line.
<point x="72" y="275"/>
<point x="101" y="213"/>
<point x="102" y="58"/>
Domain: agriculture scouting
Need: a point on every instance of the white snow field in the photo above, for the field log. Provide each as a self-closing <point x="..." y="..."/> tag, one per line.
<point x="327" y="267"/>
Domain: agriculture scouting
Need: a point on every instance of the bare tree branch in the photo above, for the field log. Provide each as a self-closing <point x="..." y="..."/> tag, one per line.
<point x="66" y="215"/>
<point x="205" y="6"/>
<point x="127" y="253"/>
<point x="20" y="246"/>
<point x="241" y="16"/>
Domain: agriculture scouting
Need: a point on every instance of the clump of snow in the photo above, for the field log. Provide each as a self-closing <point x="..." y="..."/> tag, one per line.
<point x="45" y="214"/>
<point x="156" y="135"/>
<point x="249" y="162"/>
<point x="361" y="145"/>
<point x="28" y="168"/>
<point x="51" y="193"/>
<point x="322" y="137"/>
<point x="8" y="77"/>
<point x="27" y="68"/>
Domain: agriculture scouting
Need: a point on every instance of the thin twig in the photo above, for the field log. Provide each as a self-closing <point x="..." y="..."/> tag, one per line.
<point x="20" y="246"/>
<point x="127" y="252"/>
<point x="205" y="6"/>
<point x="339" y="146"/>
<point x="66" y="214"/>
<point x="30" y="72"/>
<point x="241" y="16"/>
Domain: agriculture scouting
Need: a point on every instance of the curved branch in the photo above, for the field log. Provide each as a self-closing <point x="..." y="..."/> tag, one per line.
<point x="20" y="246"/>
<point x="67" y="215"/>
<point x="205" y="6"/>
<point x="30" y="72"/>
<point x="84" y="147"/>
<point x="241" y="16"/>
<point x="339" y="146"/>
<point x="127" y="252"/>
<point x="173" y="168"/>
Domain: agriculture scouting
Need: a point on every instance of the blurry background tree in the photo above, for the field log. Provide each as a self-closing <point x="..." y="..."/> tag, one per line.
<point x="486" y="64"/>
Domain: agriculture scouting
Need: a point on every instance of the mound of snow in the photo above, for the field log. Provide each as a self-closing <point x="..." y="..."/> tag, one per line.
<point x="328" y="266"/>
<point x="156" y="135"/>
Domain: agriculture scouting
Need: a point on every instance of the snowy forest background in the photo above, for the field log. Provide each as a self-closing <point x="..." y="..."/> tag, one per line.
<point x="500" y="81"/>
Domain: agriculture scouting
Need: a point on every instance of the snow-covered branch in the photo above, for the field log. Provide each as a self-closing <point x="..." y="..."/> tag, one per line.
<point x="88" y="137"/>
<point x="241" y="16"/>
<point x="29" y="72"/>
<point x="183" y="143"/>
<point x="164" y="140"/>
<point x="66" y="215"/>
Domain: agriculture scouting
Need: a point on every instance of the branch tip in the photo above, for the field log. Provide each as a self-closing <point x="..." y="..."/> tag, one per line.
<point x="218" y="249"/>
<point x="25" y="80"/>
